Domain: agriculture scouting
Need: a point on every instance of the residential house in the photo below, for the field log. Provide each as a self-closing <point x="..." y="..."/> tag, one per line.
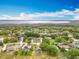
<point x="26" y="47"/>
<point x="62" y="46"/>
<point x="1" y="41"/>
<point x="76" y="43"/>
<point x="21" y="39"/>
<point x="36" y="41"/>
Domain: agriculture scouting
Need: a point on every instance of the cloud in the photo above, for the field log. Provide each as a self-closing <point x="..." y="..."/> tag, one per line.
<point x="76" y="17"/>
<point x="58" y="15"/>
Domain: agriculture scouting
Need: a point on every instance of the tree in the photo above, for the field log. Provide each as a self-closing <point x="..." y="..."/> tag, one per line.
<point x="28" y="41"/>
<point x="53" y="36"/>
<point x="60" y="39"/>
<point x="13" y="40"/>
<point x="22" y="52"/>
<point x="52" y="42"/>
<point x="72" y="53"/>
<point x="44" y="46"/>
<point x="76" y="35"/>
<point x="6" y="40"/>
<point x="32" y="34"/>
<point x="46" y="40"/>
<point x="52" y="50"/>
<point x="10" y="40"/>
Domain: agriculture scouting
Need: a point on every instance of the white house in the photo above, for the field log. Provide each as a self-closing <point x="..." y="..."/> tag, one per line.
<point x="1" y="40"/>
<point x="11" y="48"/>
<point x="66" y="47"/>
<point x="4" y="48"/>
<point x="76" y="43"/>
<point x="70" y="35"/>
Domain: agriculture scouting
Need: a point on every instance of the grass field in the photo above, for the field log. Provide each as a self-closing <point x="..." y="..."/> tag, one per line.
<point x="34" y="56"/>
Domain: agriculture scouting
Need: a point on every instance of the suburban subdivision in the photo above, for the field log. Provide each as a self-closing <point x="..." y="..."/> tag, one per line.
<point x="44" y="41"/>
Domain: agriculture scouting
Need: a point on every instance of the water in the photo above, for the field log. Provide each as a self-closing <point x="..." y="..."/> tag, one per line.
<point x="30" y="22"/>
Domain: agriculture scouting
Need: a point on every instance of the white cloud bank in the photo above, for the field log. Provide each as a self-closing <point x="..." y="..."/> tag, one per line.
<point x="59" y="15"/>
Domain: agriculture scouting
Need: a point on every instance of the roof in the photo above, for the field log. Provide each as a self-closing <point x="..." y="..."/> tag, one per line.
<point x="1" y="39"/>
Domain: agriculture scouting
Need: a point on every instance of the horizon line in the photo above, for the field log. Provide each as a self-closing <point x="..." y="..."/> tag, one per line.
<point x="38" y="20"/>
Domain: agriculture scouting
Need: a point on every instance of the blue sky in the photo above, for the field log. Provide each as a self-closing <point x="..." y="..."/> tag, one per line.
<point x="19" y="9"/>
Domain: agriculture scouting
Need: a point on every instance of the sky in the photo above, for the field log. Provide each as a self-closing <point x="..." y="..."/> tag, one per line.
<point x="39" y="9"/>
